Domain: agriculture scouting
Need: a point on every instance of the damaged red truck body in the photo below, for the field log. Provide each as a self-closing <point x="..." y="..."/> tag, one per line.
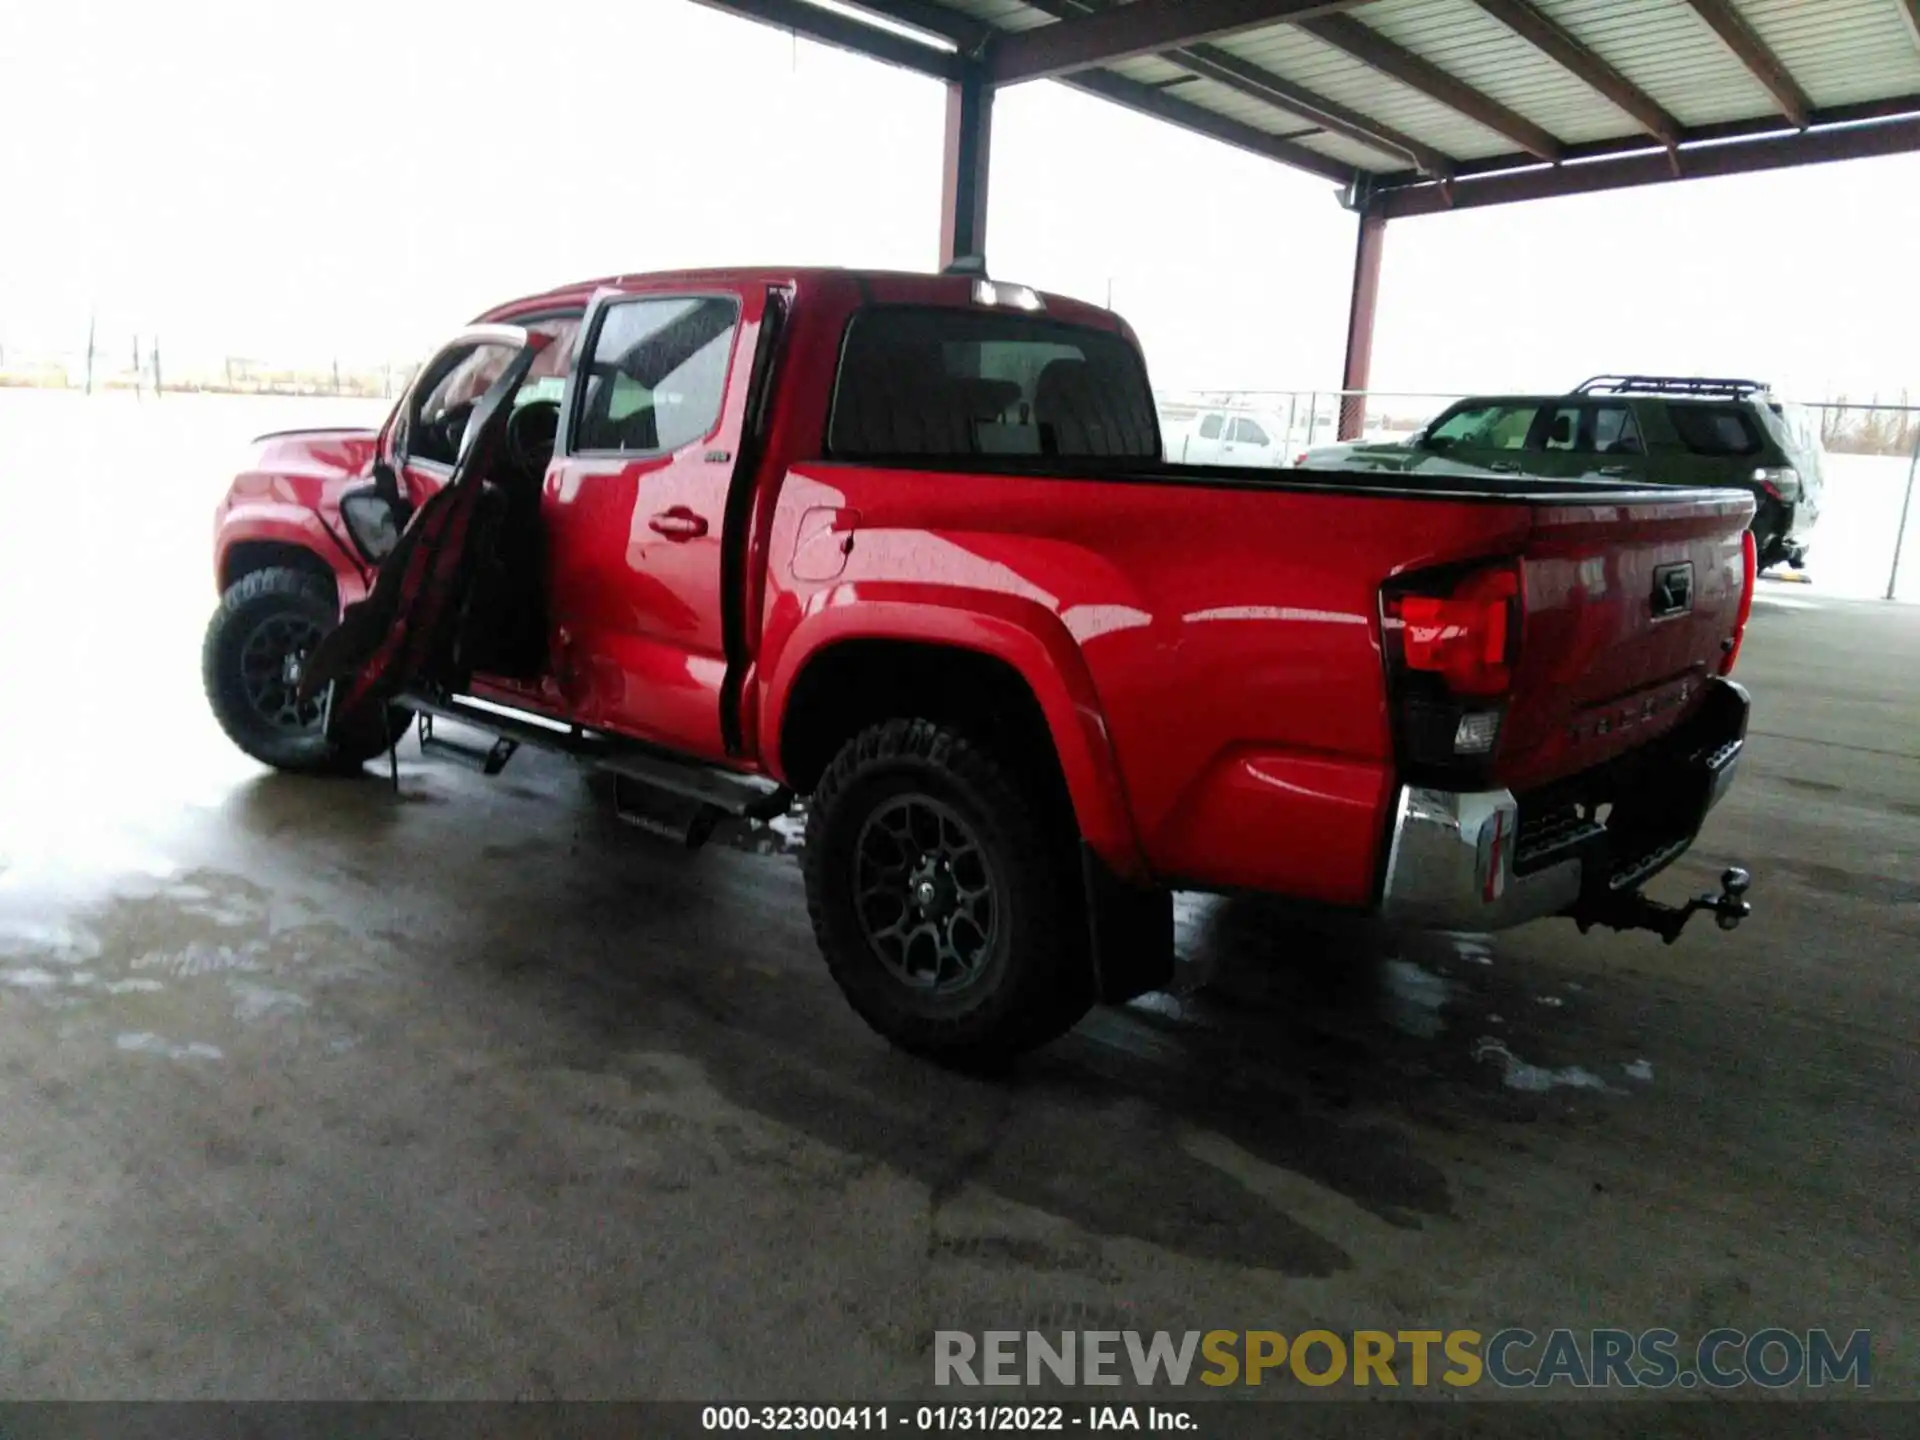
<point x="907" y="545"/>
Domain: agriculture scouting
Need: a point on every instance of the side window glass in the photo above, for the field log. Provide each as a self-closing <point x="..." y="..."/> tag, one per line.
<point x="1210" y="428"/>
<point x="455" y="379"/>
<point x="1614" y="431"/>
<point x="1247" y="431"/>
<point x="657" y="375"/>
<point x="1563" y="430"/>
<point x="1715" y="429"/>
<point x="547" y="380"/>
<point x="1497" y="427"/>
<point x="435" y="414"/>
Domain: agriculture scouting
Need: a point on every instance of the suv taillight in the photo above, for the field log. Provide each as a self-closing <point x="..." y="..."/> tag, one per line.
<point x="1452" y="639"/>
<point x="1782" y="482"/>
<point x="1749" y="572"/>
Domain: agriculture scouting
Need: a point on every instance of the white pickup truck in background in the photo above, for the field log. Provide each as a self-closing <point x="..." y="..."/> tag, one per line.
<point x="1230" y="437"/>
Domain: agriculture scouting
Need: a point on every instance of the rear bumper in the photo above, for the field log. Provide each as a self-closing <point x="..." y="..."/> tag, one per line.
<point x="1486" y="860"/>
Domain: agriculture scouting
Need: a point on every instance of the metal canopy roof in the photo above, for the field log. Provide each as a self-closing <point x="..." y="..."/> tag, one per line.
<point x="1416" y="106"/>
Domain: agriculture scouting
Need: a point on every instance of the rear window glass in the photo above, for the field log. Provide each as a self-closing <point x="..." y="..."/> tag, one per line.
<point x="931" y="384"/>
<point x="1715" y="429"/>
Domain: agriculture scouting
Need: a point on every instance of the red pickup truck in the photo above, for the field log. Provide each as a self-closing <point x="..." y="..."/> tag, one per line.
<point x="907" y="545"/>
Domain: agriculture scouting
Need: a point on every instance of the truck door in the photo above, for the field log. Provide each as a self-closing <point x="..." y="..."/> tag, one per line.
<point x="635" y="509"/>
<point x="408" y="628"/>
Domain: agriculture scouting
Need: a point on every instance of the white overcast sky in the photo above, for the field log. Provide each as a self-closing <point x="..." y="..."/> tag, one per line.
<point x="352" y="178"/>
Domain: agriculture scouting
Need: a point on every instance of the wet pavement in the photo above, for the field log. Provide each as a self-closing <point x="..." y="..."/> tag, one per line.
<point x="309" y="1089"/>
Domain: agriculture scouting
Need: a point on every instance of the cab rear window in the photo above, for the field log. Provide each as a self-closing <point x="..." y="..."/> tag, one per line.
<point x="1715" y="429"/>
<point x="930" y="385"/>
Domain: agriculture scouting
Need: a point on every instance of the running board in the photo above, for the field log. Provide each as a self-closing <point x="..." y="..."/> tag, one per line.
<point x="489" y="761"/>
<point x="669" y="817"/>
<point x="727" y="791"/>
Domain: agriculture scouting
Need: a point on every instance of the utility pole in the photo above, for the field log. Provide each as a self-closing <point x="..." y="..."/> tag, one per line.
<point x="89" y="389"/>
<point x="136" y="365"/>
<point x="156" y="367"/>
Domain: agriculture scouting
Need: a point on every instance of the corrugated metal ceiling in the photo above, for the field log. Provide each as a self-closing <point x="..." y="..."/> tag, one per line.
<point x="1840" y="53"/>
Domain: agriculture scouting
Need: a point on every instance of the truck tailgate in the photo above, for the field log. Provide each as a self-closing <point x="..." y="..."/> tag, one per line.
<point x="1629" y="608"/>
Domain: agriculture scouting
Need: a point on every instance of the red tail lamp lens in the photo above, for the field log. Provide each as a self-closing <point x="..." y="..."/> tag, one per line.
<point x="1750" y="570"/>
<point x="1466" y="637"/>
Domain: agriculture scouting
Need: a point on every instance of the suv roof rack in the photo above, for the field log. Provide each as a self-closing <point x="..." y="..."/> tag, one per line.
<point x="1670" y="385"/>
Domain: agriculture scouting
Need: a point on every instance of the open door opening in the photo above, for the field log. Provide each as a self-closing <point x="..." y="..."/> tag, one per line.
<point x="462" y="588"/>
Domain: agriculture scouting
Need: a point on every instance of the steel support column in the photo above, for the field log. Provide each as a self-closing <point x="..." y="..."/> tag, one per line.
<point x="963" y="176"/>
<point x="1360" y="312"/>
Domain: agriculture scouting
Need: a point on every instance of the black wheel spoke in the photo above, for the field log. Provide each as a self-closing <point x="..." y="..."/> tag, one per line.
<point x="924" y="890"/>
<point x="269" y="670"/>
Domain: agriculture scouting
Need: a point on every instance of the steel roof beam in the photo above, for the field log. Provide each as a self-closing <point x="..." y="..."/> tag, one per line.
<point x="1375" y="50"/>
<point x="1140" y="28"/>
<point x="830" y="27"/>
<point x="1897" y="107"/>
<point x="1775" y="152"/>
<point x="1751" y="51"/>
<point x="1526" y="21"/>
<point x="1225" y="68"/>
<point x="929" y="17"/>
<point x="1210" y="62"/>
<point x="1163" y="106"/>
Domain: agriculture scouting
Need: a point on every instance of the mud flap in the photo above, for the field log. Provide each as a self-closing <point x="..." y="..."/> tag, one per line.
<point x="1129" y="932"/>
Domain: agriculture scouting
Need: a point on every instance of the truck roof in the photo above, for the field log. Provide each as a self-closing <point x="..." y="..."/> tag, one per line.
<point x="895" y="287"/>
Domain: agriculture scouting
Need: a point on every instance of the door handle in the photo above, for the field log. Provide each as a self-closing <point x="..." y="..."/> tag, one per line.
<point x="1505" y="467"/>
<point x="679" y="523"/>
<point x="1614" y="470"/>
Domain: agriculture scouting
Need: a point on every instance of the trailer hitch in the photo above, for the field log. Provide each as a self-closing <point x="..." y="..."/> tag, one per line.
<point x="1632" y="910"/>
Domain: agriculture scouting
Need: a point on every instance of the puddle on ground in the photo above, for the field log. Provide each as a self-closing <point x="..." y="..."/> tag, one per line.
<point x="1518" y="1074"/>
<point x="1412" y="999"/>
<point x="254" y="1003"/>
<point x="145" y="1043"/>
<point x="198" y="957"/>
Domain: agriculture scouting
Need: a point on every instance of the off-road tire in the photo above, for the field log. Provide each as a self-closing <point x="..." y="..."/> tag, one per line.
<point x="250" y="602"/>
<point x="1035" y="981"/>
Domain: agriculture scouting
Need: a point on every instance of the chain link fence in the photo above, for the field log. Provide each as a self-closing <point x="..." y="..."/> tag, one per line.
<point x="141" y="365"/>
<point x="1864" y="543"/>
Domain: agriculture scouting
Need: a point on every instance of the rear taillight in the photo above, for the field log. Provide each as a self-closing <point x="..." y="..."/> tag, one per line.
<point x="1464" y="636"/>
<point x="1782" y="482"/>
<point x="1452" y="639"/>
<point x="1749" y="571"/>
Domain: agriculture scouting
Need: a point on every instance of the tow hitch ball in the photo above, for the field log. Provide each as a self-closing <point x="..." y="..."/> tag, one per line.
<point x="1634" y="911"/>
<point x="1730" y="906"/>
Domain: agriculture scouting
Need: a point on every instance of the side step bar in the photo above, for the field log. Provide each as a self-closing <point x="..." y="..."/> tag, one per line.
<point x="648" y="767"/>
<point x="490" y="761"/>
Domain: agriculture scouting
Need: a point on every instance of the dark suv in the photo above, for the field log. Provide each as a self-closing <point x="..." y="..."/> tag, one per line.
<point x="1663" y="430"/>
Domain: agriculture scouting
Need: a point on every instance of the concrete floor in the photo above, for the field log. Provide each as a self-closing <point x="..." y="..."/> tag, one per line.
<point x="306" y="1091"/>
